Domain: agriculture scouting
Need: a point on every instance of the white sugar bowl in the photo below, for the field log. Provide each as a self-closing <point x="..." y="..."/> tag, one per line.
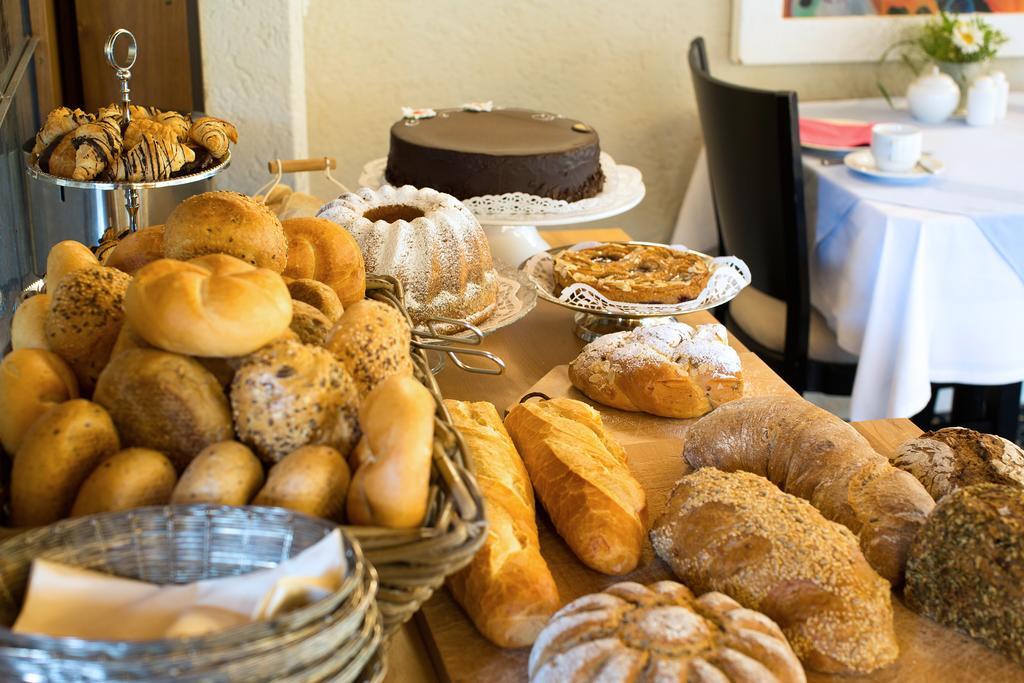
<point x="933" y="97"/>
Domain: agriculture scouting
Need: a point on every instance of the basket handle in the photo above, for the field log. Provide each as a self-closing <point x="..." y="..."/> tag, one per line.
<point x="301" y="165"/>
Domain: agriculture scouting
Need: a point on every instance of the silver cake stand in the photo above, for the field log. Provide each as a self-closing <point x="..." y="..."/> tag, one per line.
<point x="132" y="191"/>
<point x="511" y="221"/>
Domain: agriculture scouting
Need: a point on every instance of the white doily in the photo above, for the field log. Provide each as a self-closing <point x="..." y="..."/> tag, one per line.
<point x="729" y="275"/>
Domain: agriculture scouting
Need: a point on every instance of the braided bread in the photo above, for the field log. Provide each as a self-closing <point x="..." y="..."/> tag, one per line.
<point x="636" y="273"/>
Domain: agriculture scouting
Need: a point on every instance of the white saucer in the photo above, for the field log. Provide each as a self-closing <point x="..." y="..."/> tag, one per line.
<point x="863" y="162"/>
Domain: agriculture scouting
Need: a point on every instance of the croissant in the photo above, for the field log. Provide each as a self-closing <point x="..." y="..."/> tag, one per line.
<point x="59" y="122"/>
<point x="176" y="121"/>
<point x="153" y="158"/>
<point x="133" y="133"/>
<point x="115" y="111"/>
<point x="213" y="134"/>
<point x="97" y="146"/>
<point x="62" y="159"/>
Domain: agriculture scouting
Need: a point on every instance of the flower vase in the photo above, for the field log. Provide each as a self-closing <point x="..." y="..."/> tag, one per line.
<point x="964" y="73"/>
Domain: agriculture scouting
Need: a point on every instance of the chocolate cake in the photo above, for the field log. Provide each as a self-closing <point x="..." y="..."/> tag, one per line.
<point x="474" y="153"/>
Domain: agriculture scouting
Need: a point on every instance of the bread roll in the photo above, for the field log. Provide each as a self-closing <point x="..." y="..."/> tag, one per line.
<point x="226" y="223"/>
<point x="58" y="452"/>
<point x="812" y="454"/>
<point x="738" y="534"/>
<point x="31" y="382"/>
<point x="372" y="340"/>
<point x="287" y="395"/>
<point x="318" y="295"/>
<point x="949" y="459"/>
<point x="64" y="258"/>
<point x="137" y="249"/>
<point x="85" y="316"/>
<point x="215" y="306"/>
<point x="391" y="485"/>
<point x="966" y="567"/>
<point x="165" y="402"/>
<point x="580" y="474"/>
<point x="321" y="250"/>
<point x="312" y="480"/>
<point x="28" y="327"/>
<point x="507" y="589"/>
<point x="309" y="324"/>
<point x="132" y="478"/>
<point x="672" y="370"/>
<point x="225" y="473"/>
<point x="661" y="633"/>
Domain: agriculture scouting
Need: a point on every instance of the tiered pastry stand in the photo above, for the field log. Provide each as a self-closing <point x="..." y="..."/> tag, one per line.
<point x="132" y="191"/>
<point x="513" y="236"/>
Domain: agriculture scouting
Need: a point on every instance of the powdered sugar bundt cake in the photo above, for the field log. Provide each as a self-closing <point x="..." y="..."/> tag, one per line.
<point x="429" y="241"/>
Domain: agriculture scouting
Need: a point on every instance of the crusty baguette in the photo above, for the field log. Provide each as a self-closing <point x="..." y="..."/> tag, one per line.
<point x="581" y="476"/>
<point x="391" y="483"/>
<point x="812" y="454"/>
<point x="507" y="589"/>
<point x="736" y="533"/>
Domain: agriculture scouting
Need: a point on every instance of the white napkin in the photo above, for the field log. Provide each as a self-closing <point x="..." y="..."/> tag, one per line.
<point x="68" y="601"/>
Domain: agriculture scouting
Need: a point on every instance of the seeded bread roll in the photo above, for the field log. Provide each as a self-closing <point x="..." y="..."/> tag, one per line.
<point x="318" y="295"/>
<point x="372" y="340"/>
<point x="64" y="258"/>
<point x="951" y="458"/>
<point x="310" y="324"/>
<point x="85" y="316"/>
<point x="966" y="567"/>
<point x="137" y="249"/>
<point x="165" y="402"/>
<point x="28" y="327"/>
<point x="288" y="395"/>
<point x="736" y="533"/>
<point x="321" y="250"/>
<point x="31" y="382"/>
<point x="226" y="223"/>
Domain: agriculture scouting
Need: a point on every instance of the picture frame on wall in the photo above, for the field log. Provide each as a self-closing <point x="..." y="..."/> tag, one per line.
<point x="836" y="31"/>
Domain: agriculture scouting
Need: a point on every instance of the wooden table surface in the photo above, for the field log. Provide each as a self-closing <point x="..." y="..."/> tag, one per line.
<point x="440" y="643"/>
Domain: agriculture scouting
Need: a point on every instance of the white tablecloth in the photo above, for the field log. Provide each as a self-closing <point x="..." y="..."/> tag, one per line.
<point x="925" y="283"/>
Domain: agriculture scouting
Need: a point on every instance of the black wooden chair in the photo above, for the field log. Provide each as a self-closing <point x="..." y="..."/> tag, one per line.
<point x="753" y="152"/>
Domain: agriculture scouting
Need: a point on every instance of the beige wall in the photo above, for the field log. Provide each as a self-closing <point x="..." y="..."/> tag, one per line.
<point x="619" y="65"/>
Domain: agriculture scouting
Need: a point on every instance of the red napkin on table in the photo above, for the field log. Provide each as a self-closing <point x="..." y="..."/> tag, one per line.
<point x="832" y="134"/>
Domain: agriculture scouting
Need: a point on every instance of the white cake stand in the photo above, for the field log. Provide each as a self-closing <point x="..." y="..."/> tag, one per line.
<point x="511" y="220"/>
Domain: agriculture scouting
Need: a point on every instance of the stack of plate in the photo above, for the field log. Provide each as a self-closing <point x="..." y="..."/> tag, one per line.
<point x="334" y="639"/>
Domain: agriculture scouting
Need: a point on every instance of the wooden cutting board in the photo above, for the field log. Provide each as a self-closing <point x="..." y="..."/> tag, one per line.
<point x="929" y="653"/>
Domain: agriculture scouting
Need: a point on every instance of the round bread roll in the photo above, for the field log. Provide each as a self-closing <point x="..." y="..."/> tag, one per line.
<point x="225" y="473"/>
<point x="226" y="223"/>
<point x="949" y="459"/>
<point x="312" y="480"/>
<point x="287" y="395"/>
<point x="165" y="402"/>
<point x="31" y="382"/>
<point x="318" y="295"/>
<point x="85" y="316"/>
<point x="321" y="250"/>
<point x="215" y="306"/>
<point x="58" y="452"/>
<point x="966" y="566"/>
<point x="137" y="249"/>
<point x="28" y="327"/>
<point x="127" y="339"/>
<point x="132" y="478"/>
<point x="372" y="340"/>
<point x="310" y="324"/>
<point x="64" y="258"/>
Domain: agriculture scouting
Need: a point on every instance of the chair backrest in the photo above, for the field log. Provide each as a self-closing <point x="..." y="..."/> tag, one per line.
<point x="753" y="152"/>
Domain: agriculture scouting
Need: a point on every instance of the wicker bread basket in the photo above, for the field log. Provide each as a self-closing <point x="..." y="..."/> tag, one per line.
<point x="334" y="639"/>
<point x="411" y="564"/>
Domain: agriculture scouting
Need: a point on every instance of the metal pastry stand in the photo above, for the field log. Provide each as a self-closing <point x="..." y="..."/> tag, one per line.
<point x="132" y="201"/>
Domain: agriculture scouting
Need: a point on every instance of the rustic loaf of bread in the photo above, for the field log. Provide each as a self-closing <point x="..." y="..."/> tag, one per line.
<point x="736" y="533"/>
<point x="812" y="454"/>
<point x="951" y="458"/>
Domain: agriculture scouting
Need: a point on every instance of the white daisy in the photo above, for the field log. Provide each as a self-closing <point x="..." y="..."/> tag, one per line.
<point x="968" y="37"/>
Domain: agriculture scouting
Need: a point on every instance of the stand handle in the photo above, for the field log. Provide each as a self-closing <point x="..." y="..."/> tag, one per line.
<point x="301" y="165"/>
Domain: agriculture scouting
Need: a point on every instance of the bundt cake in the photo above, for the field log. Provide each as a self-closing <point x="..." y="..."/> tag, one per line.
<point x="429" y="241"/>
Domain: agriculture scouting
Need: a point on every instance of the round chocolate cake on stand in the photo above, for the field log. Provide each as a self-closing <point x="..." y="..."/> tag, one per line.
<point x="515" y="169"/>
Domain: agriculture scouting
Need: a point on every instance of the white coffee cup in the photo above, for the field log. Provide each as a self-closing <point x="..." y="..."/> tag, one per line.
<point x="895" y="146"/>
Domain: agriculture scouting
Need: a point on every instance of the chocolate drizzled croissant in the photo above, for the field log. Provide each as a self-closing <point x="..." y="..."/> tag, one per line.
<point x="58" y="123"/>
<point x="176" y="121"/>
<point x="97" y="145"/>
<point x="135" y="130"/>
<point x="213" y="134"/>
<point x="153" y="158"/>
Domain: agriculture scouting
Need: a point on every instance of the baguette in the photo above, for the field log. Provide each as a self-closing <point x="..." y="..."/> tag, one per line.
<point x="581" y="476"/>
<point x="812" y="454"/>
<point x="507" y="589"/>
<point x="391" y="483"/>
